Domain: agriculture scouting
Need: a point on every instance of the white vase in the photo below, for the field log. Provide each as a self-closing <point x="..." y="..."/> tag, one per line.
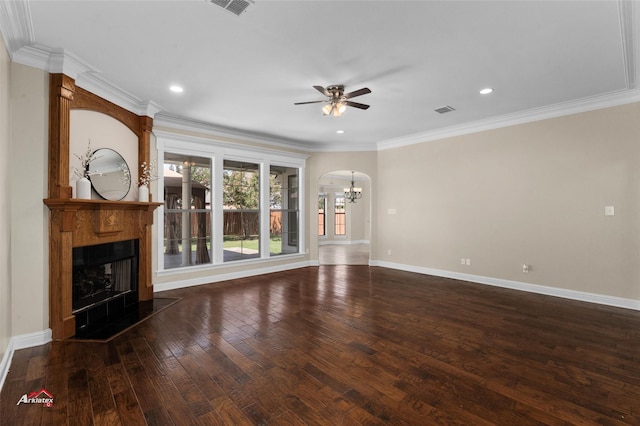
<point x="143" y="194"/>
<point x="83" y="189"/>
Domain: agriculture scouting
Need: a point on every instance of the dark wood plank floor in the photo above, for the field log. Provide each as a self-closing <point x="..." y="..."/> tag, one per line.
<point x="350" y="345"/>
<point x="343" y="254"/>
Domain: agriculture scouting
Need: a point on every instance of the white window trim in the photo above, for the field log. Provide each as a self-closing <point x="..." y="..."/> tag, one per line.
<point x="219" y="151"/>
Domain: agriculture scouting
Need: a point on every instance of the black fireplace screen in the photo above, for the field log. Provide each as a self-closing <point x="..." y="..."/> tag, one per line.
<point x="103" y="272"/>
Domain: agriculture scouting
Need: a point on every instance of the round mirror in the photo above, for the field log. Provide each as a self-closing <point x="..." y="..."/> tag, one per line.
<point x="109" y="174"/>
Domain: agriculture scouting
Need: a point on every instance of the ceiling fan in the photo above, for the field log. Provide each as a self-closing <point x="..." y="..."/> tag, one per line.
<point x="338" y="101"/>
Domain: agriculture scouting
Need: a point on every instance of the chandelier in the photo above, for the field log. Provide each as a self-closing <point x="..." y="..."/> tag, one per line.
<point x="352" y="193"/>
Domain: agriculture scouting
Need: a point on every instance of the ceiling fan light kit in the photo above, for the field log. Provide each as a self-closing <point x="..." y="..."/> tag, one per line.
<point x="337" y="101"/>
<point x="334" y="109"/>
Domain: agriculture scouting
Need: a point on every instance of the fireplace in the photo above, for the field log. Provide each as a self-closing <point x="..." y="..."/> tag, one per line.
<point x="93" y="245"/>
<point x="104" y="284"/>
<point x="75" y="223"/>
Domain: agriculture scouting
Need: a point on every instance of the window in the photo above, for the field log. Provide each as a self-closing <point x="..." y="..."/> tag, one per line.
<point x="187" y="212"/>
<point x="340" y="227"/>
<point x="322" y="219"/>
<point x="226" y="203"/>
<point x="241" y="207"/>
<point x="283" y="214"/>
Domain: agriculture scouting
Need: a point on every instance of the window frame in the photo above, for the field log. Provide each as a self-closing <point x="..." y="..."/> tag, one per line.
<point x="218" y="152"/>
<point x="336" y="214"/>
<point x="322" y="196"/>
<point x="191" y="215"/>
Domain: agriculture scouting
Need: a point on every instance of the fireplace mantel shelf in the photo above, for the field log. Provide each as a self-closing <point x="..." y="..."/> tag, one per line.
<point x="79" y="204"/>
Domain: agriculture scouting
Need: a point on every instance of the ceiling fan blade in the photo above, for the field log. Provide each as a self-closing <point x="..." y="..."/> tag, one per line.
<point x="355" y="93"/>
<point x="310" y="102"/>
<point x="322" y="90"/>
<point x="357" y="105"/>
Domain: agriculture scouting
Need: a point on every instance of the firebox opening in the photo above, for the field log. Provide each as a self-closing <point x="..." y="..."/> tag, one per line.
<point x="105" y="284"/>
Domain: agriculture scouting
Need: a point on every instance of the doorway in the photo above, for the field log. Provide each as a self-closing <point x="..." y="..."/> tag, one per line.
<point x="344" y="226"/>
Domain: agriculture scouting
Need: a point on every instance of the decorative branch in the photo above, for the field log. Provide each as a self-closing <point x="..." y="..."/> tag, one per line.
<point x="147" y="176"/>
<point x="87" y="158"/>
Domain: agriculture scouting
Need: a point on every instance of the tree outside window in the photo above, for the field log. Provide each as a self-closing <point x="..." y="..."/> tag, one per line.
<point x="241" y="206"/>
<point x="187" y="213"/>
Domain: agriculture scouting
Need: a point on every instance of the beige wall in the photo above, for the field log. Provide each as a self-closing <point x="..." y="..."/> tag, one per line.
<point x="104" y="132"/>
<point x="29" y="224"/>
<point x="5" y="200"/>
<point x="533" y="193"/>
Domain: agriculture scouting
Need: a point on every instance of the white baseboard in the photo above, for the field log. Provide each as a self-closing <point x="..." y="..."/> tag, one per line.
<point x="22" y="341"/>
<point x="582" y="296"/>
<point x="229" y="276"/>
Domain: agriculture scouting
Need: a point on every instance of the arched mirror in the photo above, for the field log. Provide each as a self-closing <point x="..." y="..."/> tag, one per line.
<point x="109" y="174"/>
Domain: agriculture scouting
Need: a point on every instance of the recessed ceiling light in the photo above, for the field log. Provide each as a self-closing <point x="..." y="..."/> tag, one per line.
<point x="486" y="91"/>
<point x="339" y="132"/>
<point x="176" y="89"/>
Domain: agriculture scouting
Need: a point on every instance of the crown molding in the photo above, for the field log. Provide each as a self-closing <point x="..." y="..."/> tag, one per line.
<point x="177" y="122"/>
<point x="94" y="83"/>
<point x="166" y="136"/>
<point x="61" y="61"/>
<point x="17" y="30"/>
<point x="535" y="114"/>
<point x="629" y="17"/>
<point x="51" y="60"/>
<point x="16" y="25"/>
<point x="186" y="124"/>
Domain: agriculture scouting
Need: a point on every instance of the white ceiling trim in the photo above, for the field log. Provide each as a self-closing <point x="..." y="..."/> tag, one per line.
<point x="171" y="139"/>
<point x="628" y="13"/>
<point x="17" y="30"/>
<point x="536" y="114"/>
<point x="51" y="60"/>
<point x="190" y="125"/>
<point x="94" y="83"/>
<point x="16" y="25"/>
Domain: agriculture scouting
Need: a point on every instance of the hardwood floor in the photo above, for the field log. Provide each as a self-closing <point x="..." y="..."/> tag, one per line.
<point x="343" y="254"/>
<point x="344" y="345"/>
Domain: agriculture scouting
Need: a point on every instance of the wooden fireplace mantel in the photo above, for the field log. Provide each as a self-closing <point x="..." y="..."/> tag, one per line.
<point x="77" y="223"/>
<point x="100" y="221"/>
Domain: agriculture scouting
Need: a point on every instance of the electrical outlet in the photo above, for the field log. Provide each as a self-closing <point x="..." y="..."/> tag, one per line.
<point x="468" y="262"/>
<point x="462" y="261"/>
<point x="526" y="268"/>
<point x="389" y="252"/>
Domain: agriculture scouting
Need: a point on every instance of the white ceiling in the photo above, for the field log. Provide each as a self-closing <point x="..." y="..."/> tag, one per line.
<point x="242" y="74"/>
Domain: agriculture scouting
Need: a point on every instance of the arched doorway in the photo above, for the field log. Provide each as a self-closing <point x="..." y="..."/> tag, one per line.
<point x="344" y="227"/>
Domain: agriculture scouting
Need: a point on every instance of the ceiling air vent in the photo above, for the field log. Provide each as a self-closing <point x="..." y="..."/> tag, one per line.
<point x="444" y="109"/>
<point x="234" y="6"/>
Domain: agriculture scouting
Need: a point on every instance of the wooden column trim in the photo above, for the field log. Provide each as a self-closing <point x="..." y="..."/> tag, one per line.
<point x="61" y="93"/>
<point x="144" y="147"/>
